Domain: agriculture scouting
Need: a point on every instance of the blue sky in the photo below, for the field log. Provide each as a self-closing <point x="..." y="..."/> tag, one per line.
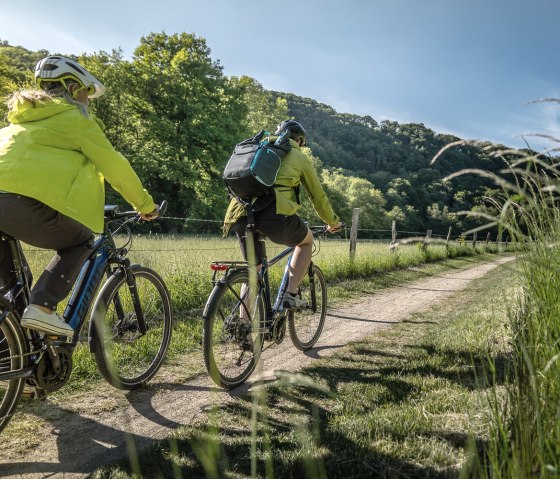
<point x="467" y="67"/>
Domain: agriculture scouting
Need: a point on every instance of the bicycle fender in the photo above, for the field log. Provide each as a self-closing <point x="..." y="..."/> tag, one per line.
<point x="95" y="329"/>
<point x="218" y="286"/>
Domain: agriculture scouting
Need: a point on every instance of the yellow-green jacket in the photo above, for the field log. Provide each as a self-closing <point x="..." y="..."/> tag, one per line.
<point x="53" y="153"/>
<point x="296" y="169"/>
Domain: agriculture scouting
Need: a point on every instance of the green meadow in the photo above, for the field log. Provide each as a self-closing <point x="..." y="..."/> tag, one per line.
<point x="184" y="264"/>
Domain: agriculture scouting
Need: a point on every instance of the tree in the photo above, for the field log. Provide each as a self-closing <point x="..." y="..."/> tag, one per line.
<point x="356" y="193"/>
<point x="176" y="117"/>
<point x="16" y="71"/>
<point x="264" y="111"/>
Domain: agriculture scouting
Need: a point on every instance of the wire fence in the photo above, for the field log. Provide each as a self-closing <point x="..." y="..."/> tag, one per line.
<point x="363" y="235"/>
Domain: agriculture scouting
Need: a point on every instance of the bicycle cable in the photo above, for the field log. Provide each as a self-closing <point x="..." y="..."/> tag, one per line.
<point x="123" y="225"/>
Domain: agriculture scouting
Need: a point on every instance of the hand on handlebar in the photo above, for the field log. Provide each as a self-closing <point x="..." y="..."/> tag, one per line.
<point x="150" y="216"/>
<point x="336" y="228"/>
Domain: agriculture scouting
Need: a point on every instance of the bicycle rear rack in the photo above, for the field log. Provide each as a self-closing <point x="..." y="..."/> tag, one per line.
<point x="224" y="266"/>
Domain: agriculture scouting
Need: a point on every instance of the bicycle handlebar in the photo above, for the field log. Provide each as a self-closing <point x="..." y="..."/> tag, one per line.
<point x="112" y="211"/>
<point x="322" y="230"/>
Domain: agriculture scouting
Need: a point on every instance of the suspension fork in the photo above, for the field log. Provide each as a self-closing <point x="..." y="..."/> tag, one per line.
<point x="116" y="300"/>
<point x="131" y="283"/>
<point x="312" y="287"/>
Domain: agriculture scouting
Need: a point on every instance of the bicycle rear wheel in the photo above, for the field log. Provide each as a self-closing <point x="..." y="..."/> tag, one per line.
<point x="306" y="324"/>
<point x="125" y="356"/>
<point x="231" y="349"/>
<point x="12" y="358"/>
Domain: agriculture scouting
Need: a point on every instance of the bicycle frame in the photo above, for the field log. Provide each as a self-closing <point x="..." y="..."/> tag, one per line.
<point x="87" y="284"/>
<point x="271" y="309"/>
<point x="47" y="358"/>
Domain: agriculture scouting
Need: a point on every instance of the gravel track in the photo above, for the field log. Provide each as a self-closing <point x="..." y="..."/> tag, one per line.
<point x="73" y="445"/>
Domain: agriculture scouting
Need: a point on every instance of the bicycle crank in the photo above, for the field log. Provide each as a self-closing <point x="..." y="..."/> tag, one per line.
<point x="279" y="329"/>
<point x="54" y="368"/>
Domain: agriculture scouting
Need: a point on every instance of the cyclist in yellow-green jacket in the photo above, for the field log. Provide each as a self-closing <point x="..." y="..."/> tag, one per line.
<point x="54" y="158"/>
<point x="276" y="215"/>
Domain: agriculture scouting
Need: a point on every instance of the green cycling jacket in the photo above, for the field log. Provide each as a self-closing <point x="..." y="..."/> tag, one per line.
<point x="53" y="153"/>
<point x="296" y="169"/>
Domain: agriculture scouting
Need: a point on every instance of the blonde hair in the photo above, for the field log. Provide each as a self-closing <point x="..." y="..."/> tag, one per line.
<point x="33" y="96"/>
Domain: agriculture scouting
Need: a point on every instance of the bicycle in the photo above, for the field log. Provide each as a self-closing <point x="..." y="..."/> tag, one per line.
<point x="129" y="329"/>
<point x="236" y="323"/>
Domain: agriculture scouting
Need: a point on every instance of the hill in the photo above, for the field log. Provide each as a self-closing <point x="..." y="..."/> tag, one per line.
<point x="396" y="158"/>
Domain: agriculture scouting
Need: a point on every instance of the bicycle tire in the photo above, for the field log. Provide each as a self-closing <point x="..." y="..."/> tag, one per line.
<point x="12" y="357"/>
<point x="306" y="324"/>
<point x="126" y="358"/>
<point x="229" y="354"/>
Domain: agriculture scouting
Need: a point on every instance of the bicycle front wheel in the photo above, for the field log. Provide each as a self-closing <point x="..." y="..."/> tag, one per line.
<point x="231" y="341"/>
<point x="127" y="354"/>
<point x="12" y="358"/>
<point x="306" y="324"/>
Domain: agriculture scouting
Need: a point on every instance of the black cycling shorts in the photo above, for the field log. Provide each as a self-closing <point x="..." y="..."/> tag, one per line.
<point x="280" y="229"/>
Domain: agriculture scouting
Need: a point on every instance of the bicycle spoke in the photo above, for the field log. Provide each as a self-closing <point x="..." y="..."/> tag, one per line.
<point x="306" y="324"/>
<point x="12" y="358"/>
<point x="231" y="349"/>
<point x="127" y="357"/>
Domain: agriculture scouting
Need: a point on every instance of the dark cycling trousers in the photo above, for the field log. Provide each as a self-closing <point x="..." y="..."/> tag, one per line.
<point x="38" y="225"/>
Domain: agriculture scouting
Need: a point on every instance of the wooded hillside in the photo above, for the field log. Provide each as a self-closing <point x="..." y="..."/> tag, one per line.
<point x="175" y="115"/>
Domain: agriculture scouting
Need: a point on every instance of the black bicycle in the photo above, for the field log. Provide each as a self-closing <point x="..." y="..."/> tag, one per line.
<point x="129" y="328"/>
<point x="238" y="322"/>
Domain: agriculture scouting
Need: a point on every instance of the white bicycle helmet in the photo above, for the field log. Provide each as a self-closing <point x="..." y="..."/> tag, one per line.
<point x="57" y="68"/>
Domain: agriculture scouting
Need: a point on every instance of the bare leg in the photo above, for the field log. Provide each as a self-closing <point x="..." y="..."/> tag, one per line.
<point x="300" y="262"/>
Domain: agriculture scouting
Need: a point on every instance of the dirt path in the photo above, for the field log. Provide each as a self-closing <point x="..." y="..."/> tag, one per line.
<point x="73" y="445"/>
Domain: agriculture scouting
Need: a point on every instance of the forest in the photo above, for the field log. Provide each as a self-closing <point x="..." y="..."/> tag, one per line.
<point x="176" y="116"/>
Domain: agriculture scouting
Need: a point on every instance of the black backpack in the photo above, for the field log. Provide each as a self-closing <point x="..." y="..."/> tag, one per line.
<point x="253" y="166"/>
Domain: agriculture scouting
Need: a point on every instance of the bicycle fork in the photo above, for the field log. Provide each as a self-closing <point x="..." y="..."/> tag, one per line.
<point x="312" y="287"/>
<point x="131" y="283"/>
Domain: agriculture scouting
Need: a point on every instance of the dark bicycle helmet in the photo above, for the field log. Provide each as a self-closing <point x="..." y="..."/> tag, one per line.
<point x="293" y="127"/>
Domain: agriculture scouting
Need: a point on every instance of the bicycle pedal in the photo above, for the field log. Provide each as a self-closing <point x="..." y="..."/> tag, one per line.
<point x="31" y="392"/>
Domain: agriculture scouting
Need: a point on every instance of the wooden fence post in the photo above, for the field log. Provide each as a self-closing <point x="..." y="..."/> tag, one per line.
<point x="448" y="235"/>
<point x="393" y="232"/>
<point x="354" y="231"/>
<point x="428" y="236"/>
<point x="488" y="237"/>
<point x="474" y="239"/>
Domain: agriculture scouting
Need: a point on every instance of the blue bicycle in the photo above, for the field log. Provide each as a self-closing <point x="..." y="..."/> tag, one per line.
<point x="129" y="329"/>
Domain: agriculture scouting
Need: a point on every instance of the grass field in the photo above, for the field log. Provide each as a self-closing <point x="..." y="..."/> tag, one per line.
<point x="184" y="262"/>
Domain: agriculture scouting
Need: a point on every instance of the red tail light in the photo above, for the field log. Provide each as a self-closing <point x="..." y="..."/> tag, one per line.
<point x="219" y="267"/>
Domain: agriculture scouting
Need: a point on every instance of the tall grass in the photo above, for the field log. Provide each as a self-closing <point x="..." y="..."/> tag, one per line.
<point x="525" y="438"/>
<point x="526" y="423"/>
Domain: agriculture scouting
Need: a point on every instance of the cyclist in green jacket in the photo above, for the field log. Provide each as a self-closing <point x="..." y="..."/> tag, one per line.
<point x="276" y="215"/>
<point x="54" y="158"/>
